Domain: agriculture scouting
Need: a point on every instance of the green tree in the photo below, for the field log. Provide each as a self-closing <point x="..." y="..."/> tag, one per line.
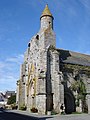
<point x="11" y="100"/>
<point x="79" y="86"/>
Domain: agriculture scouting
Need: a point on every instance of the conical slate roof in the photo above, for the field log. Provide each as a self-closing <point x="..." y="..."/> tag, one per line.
<point x="46" y="12"/>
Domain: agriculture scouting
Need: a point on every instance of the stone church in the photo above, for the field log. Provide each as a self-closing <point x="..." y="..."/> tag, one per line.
<point x="50" y="77"/>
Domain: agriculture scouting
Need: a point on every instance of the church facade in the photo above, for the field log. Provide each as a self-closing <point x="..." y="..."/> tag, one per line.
<point x="50" y="77"/>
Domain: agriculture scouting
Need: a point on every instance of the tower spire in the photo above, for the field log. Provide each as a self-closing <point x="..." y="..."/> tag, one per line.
<point x="46" y="19"/>
<point x="46" y="12"/>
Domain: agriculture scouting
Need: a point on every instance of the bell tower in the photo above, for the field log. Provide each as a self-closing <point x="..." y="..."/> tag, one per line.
<point x="46" y="19"/>
<point x="47" y="35"/>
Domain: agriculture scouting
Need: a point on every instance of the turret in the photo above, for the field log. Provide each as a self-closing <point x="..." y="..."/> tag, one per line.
<point x="46" y="19"/>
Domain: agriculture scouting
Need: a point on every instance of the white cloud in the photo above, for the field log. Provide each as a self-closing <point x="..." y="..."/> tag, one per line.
<point x="9" y="72"/>
<point x="17" y="59"/>
<point x="86" y="3"/>
<point x="2" y="64"/>
<point x="87" y="52"/>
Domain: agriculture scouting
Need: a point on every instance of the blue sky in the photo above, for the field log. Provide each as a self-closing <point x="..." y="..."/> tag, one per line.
<point x="20" y="20"/>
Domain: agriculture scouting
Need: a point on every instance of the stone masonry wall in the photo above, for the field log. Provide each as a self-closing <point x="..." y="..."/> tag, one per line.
<point x="56" y="78"/>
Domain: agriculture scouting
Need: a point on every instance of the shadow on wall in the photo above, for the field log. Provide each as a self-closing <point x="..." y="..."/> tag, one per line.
<point x="49" y="94"/>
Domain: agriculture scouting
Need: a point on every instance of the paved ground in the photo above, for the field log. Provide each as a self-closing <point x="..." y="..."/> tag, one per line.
<point x="71" y="117"/>
<point x="57" y="117"/>
<point x="22" y="115"/>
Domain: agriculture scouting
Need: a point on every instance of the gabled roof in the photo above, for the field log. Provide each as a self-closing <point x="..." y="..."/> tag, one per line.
<point x="74" y="57"/>
<point x="9" y="93"/>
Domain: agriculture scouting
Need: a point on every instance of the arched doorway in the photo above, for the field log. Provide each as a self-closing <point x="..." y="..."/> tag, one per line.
<point x="69" y="101"/>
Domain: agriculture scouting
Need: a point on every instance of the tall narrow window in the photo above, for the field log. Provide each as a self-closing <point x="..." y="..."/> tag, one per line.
<point x="28" y="44"/>
<point x="37" y="37"/>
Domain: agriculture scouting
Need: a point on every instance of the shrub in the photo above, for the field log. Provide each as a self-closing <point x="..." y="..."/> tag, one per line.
<point x="23" y="107"/>
<point x="11" y="100"/>
<point x="53" y="112"/>
<point x="34" y="110"/>
<point x="14" y="106"/>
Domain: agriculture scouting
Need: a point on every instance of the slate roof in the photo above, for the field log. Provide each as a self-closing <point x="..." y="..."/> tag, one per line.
<point x="74" y="57"/>
<point x="9" y="93"/>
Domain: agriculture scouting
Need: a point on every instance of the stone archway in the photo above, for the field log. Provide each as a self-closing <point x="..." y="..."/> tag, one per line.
<point x="69" y="101"/>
